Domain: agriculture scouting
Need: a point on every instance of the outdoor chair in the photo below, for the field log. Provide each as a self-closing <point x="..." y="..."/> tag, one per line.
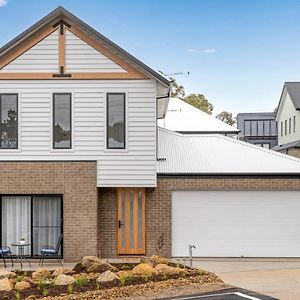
<point x="5" y="252"/>
<point x="50" y="251"/>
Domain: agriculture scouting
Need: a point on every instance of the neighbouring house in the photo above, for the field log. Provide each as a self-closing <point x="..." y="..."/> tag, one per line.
<point x="288" y="119"/>
<point x="185" y="118"/>
<point x="258" y="128"/>
<point x="81" y="155"/>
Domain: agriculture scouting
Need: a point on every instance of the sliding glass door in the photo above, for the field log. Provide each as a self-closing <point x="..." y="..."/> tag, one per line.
<point x="37" y="219"/>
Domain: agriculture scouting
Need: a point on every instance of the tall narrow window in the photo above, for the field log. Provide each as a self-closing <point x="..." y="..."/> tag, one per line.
<point x="281" y="128"/>
<point x="290" y="125"/>
<point x="285" y="127"/>
<point x="115" y="127"/>
<point x="9" y="121"/>
<point x="294" y="125"/>
<point x="62" y="121"/>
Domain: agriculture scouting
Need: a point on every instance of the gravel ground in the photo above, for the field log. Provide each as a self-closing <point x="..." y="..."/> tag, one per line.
<point x="153" y="290"/>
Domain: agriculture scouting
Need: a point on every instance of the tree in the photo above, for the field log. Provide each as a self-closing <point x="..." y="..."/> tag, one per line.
<point x="199" y="101"/>
<point x="177" y="90"/>
<point x="226" y="117"/>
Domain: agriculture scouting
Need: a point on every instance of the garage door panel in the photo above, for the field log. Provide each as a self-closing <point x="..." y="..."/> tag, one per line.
<point x="236" y="223"/>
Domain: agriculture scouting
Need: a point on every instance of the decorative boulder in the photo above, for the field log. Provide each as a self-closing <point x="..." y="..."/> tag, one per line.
<point x="6" y="285"/>
<point x="63" y="279"/>
<point x="22" y="285"/>
<point x="40" y="274"/>
<point x="79" y="268"/>
<point x="7" y="274"/>
<point x="143" y="269"/>
<point x="108" y="277"/>
<point x="60" y="271"/>
<point x="154" y="260"/>
<point x="93" y="264"/>
<point x="125" y="273"/>
<point x="165" y="269"/>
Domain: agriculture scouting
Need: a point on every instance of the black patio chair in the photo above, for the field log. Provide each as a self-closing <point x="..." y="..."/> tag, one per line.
<point x="48" y="251"/>
<point x="6" y="252"/>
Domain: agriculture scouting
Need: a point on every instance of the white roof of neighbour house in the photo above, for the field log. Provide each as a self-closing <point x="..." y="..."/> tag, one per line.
<point x="217" y="154"/>
<point x="185" y="118"/>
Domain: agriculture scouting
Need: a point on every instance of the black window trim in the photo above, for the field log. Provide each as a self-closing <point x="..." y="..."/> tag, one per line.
<point x="17" y="95"/>
<point x="107" y="119"/>
<point x="31" y="221"/>
<point x="53" y="121"/>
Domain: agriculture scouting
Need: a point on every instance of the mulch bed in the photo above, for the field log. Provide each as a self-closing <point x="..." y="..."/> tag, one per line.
<point x="111" y="290"/>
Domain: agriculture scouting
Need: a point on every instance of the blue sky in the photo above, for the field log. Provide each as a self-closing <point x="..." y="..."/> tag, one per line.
<point x="238" y="52"/>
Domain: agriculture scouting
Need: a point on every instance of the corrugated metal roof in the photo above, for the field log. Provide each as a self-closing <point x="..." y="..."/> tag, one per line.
<point x="185" y="118"/>
<point x="294" y="144"/>
<point x="217" y="154"/>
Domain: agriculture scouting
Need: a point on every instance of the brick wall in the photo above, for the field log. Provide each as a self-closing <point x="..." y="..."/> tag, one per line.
<point x="76" y="181"/>
<point x="158" y="205"/>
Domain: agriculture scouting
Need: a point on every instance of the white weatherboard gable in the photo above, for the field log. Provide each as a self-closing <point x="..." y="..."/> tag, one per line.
<point x="81" y="57"/>
<point x="41" y="58"/>
<point x="286" y="111"/>
<point x="218" y="154"/>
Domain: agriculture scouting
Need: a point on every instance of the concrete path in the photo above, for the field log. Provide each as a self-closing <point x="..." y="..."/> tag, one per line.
<point x="277" y="278"/>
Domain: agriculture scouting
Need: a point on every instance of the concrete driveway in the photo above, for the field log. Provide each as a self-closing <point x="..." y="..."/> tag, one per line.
<point x="279" y="278"/>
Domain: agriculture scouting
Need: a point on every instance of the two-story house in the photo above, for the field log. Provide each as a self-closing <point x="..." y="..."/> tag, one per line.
<point x="81" y="154"/>
<point x="258" y="128"/>
<point x="288" y="119"/>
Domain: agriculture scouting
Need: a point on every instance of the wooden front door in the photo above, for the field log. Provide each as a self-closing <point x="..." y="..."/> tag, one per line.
<point x="131" y="221"/>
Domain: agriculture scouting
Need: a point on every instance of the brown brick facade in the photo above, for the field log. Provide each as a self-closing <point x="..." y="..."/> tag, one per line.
<point x="76" y="181"/>
<point x="158" y="205"/>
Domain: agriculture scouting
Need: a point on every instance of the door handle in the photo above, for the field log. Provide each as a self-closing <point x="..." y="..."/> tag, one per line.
<point x="119" y="224"/>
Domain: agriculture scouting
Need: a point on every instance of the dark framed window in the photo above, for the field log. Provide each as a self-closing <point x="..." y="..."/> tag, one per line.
<point x="36" y="218"/>
<point x="62" y="128"/>
<point x="294" y="125"/>
<point x="290" y="125"/>
<point x="285" y="127"/>
<point x="281" y="128"/>
<point x="9" y="121"/>
<point x="115" y="121"/>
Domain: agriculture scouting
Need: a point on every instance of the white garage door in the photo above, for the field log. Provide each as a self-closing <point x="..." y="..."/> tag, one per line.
<point x="236" y="223"/>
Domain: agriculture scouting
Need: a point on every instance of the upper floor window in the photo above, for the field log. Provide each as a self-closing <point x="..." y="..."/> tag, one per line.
<point x="9" y="121"/>
<point x="281" y="128"/>
<point x="62" y="121"/>
<point x="290" y="125"/>
<point x="294" y="125"/>
<point x="285" y="127"/>
<point x="115" y="121"/>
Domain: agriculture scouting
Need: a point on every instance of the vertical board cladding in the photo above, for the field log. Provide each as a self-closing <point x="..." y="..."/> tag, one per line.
<point x="134" y="166"/>
<point x="76" y="182"/>
<point x="288" y="111"/>
<point x="42" y="57"/>
<point x="81" y="57"/>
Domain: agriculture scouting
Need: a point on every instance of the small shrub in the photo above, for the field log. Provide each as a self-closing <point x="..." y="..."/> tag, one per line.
<point x="17" y="295"/>
<point x="41" y="284"/>
<point x="165" y="276"/>
<point x="20" y="278"/>
<point x="147" y="278"/>
<point x="182" y="274"/>
<point x="125" y="267"/>
<point x="97" y="286"/>
<point x="45" y="293"/>
<point x="123" y="280"/>
<point x="70" y="289"/>
<point x="82" y="280"/>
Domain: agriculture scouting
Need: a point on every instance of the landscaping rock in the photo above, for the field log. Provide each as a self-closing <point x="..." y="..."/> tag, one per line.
<point x="93" y="264"/>
<point x="108" y="277"/>
<point x="63" y="279"/>
<point x="7" y="274"/>
<point x="143" y="269"/>
<point x="40" y="274"/>
<point x="165" y="269"/>
<point x="60" y="271"/>
<point x="6" y="285"/>
<point x="79" y="268"/>
<point x="125" y="273"/>
<point x="22" y="285"/>
<point x="154" y="260"/>
<point x="31" y="297"/>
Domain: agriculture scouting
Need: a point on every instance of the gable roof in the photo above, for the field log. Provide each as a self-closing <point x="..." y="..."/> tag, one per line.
<point x="61" y="13"/>
<point x="293" y="89"/>
<point x="218" y="155"/>
<point x="185" y="118"/>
